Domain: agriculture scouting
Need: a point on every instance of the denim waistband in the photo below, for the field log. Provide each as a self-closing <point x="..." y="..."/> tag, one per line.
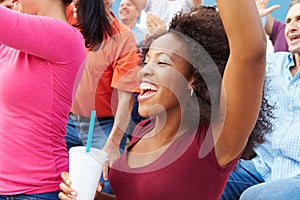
<point x="42" y="196"/>
<point x="79" y="118"/>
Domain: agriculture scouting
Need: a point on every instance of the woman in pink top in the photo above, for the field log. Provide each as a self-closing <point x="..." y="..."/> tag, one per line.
<point x="199" y="122"/>
<point x="40" y="57"/>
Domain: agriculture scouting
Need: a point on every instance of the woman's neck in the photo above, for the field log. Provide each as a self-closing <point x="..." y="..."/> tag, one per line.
<point x="57" y="11"/>
<point x="170" y="124"/>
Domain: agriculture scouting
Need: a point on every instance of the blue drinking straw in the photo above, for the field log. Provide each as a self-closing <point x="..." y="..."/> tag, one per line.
<point x="91" y="130"/>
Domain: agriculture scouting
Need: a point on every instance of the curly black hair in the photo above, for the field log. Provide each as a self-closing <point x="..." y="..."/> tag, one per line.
<point x="208" y="56"/>
<point x="66" y="2"/>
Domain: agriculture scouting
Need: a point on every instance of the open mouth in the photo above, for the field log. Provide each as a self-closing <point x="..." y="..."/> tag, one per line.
<point x="147" y="90"/>
<point x="124" y="13"/>
<point x="294" y="37"/>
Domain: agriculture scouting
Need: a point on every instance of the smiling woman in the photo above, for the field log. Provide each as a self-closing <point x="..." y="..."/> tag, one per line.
<point x="195" y="135"/>
<point x="163" y="79"/>
<point x="181" y="93"/>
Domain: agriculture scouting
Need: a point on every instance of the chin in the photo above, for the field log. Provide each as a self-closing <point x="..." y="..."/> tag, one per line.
<point x="144" y="113"/>
<point x="294" y="49"/>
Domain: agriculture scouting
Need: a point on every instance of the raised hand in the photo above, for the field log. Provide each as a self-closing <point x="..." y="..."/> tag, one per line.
<point x="155" y="24"/>
<point x="262" y="7"/>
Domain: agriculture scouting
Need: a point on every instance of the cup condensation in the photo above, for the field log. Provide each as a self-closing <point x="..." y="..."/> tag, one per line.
<point x="85" y="170"/>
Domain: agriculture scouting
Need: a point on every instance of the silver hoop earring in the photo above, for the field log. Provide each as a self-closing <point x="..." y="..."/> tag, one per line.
<point x="192" y="92"/>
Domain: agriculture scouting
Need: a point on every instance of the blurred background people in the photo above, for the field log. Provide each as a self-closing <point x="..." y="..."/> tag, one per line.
<point x="108" y="82"/>
<point x="274" y="28"/>
<point x="157" y="15"/>
<point x="129" y="15"/>
<point x="274" y="173"/>
<point x="165" y="9"/>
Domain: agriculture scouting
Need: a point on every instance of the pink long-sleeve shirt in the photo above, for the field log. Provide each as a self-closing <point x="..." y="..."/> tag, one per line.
<point x="40" y="60"/>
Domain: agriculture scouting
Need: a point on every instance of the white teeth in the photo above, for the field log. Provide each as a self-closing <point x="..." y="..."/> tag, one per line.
<point x="294" y="37"/>
<point x="147" y="86"/>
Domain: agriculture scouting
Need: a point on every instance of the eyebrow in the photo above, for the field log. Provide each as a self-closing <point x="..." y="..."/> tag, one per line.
<point x="157" y="51"/>
<point x="169" y="55"/>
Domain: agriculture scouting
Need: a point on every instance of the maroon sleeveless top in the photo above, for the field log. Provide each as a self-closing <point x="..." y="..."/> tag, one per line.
<point x="181" y="172"/>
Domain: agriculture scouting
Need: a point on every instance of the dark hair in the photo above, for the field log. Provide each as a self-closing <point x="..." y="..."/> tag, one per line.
<point x="66" y="2"/>
<point x="262" y="126"/>
<point x="93" y="21"/>
<point x="204" y="26"/>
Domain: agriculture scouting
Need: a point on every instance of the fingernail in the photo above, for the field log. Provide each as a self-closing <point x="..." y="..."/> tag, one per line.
<point x="68" y="181"/>
<point x="73" y="193"/>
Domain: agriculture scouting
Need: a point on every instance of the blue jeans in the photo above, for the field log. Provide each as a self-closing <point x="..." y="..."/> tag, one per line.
<point x="44" y="196"/>
<point x="242" y="177"/>
<point x="288" y="188"/>
<point x="77" y="133"/>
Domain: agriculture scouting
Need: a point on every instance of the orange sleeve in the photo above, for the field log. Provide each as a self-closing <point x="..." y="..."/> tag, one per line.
<point x="125" y="76"/>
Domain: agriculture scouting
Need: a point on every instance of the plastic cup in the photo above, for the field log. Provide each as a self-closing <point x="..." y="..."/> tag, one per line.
<point x="85" y="170"/>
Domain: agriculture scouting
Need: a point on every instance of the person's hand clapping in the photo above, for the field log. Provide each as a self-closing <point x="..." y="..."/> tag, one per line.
<point x="155" y="24"/>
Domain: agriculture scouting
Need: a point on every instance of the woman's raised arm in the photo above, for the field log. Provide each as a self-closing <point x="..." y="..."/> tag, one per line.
<point x="243" y="77"/>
